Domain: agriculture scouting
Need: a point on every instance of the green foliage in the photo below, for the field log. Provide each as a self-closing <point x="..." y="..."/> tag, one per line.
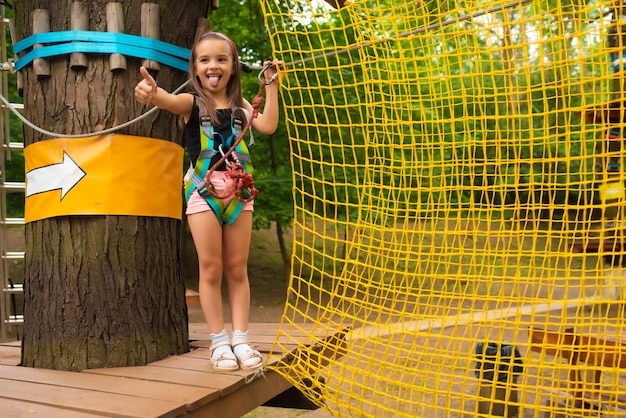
<point x="484" y="134"/>
<point x="459" y="140"/>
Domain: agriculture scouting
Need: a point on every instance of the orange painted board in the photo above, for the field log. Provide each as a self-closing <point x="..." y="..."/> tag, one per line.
<point x="103" y="175"/>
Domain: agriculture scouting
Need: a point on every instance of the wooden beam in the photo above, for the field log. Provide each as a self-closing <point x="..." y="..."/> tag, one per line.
<point x="246" y="398"/>
<point x="591" y="350"/>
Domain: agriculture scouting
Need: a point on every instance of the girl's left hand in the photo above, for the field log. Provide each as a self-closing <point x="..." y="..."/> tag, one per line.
<point x="271" y="73"/>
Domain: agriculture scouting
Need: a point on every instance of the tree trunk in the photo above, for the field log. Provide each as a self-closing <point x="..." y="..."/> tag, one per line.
<point x="280" y="234"/>
<point x="103" y="290"/>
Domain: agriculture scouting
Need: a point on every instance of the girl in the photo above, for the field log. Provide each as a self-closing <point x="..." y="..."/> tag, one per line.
<point x="221" y="234"/>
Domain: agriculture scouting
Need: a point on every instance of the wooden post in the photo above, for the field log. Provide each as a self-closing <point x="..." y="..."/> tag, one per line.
<point x="79" y="20"/>
<point x="150" y="28"/>
<point x="498" y="399"/>
<point x="41" y="24"/>
<point x="115" y="23"/>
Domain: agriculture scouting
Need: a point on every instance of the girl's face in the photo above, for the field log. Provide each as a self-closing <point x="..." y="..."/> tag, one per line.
<point x="214" y="64"/>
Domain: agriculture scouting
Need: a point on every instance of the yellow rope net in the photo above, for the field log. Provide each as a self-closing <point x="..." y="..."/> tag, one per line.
<point x="458" y="187"/>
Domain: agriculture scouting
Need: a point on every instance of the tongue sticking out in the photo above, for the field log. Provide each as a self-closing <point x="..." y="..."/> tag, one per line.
<point x="213" y="81"/>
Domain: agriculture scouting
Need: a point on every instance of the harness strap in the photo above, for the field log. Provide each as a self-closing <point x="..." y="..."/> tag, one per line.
<point x="238" y="124"/>
<point x="227" y="215"/>
<point x="207" y="154"/>
<point x="198" y="174"/>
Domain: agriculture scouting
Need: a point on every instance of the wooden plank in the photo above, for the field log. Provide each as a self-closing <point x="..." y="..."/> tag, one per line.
<point x="322" y="353"/>
<point x="606" y="113"/>
<point x="89" y="401"/>
<point x="221" y="382"/>
<point x="192" y="297"/>
<point x="200" y="331"/>
<point x="272" y="329"/>
<point x="577" y="348"/>
<point x="192" y="396"/>
<point x="177" y="385"/>
<point x="22" y="409"/>
<point x="10" y="356"/>
<point x="262" y="347"/>
<point x="263" y="336"/>
<point x="246" y="399"/>
<point x="254" y="338"/>
<point x="186" y="363"/>
<point x="602" y="405"/>
<point x="201" y="363"/>
<point x="259" y="391"/>
<point x="601" y="352"/>
<point x="284" y="339"/>
<point x="191" y="363"/>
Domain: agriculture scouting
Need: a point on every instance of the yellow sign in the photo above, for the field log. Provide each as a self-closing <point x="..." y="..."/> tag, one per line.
<point x="103" y="175"/>
<point x="612" y="191"/>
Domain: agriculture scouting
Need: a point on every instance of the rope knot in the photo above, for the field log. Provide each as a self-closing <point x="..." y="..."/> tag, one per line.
<point x="243" y="188"/>
<point x="257" y="102"/>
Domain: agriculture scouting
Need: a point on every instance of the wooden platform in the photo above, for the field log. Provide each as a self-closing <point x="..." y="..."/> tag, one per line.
<point x="596" y="353"/>
<point x="176" y="386"/>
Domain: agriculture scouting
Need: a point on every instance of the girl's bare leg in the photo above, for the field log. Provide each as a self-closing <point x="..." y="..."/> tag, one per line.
<point x="207" y="237"/>
<point x="236" y="246"/>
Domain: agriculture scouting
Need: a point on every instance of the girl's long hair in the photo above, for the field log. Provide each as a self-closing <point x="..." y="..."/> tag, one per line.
<point x="233" y="89"/>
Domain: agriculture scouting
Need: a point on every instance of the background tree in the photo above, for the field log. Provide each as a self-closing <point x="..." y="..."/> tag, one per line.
<point x="102" y="291"/>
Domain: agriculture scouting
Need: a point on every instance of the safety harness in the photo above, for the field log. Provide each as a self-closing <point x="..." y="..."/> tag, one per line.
<point x="240" y="171"/>
<point x="239" y="168"/>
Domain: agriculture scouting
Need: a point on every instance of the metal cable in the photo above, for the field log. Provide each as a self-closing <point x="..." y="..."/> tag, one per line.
<point x="253" y="67"/>
<point x="102" y="132"/>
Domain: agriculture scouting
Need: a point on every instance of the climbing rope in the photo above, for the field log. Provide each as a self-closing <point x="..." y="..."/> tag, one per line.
<point x="243" y="182"/>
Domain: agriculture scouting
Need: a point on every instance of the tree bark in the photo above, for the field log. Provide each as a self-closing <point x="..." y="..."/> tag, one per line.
<point x="285" y="255"/>
<point x="103" y="291"/>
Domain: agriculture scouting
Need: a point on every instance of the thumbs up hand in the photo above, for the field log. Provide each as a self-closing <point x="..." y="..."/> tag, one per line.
<point x="146" y="88"/>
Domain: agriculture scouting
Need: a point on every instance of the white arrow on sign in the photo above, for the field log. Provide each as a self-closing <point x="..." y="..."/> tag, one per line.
<point x="63" y="175"/>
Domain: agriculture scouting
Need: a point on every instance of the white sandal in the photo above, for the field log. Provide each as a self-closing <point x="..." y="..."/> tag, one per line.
<point x="244" y="359"/>
<point x="225" y="361"/>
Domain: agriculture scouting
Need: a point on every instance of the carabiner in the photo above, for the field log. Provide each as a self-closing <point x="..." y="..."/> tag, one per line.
<point x="261" y="76"/>
<point x="223" y="154"/>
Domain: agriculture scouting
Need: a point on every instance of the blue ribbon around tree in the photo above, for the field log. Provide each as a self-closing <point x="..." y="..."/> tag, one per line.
<point x="71" y="41"/>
